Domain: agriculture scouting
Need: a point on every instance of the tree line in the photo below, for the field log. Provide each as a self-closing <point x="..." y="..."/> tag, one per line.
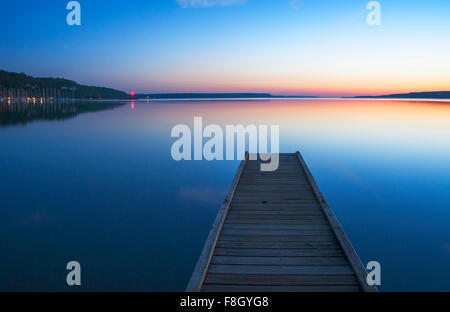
<point x="22" y="86"/>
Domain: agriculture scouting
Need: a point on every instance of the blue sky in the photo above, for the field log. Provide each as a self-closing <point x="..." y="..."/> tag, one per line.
<point x="320" y="47"/>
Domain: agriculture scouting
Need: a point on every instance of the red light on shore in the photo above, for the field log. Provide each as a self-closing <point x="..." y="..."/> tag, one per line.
<point x="132" y="94"/>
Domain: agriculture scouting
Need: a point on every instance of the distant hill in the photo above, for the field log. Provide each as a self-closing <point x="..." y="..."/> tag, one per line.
<point x="9" y="80"/>
<point x="211" y="96"/>
<point x="413" y="95"/>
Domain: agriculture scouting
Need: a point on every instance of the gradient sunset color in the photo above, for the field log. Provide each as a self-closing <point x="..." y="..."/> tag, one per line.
<point x="371" y="124"/>
<point x="304" y="47"/>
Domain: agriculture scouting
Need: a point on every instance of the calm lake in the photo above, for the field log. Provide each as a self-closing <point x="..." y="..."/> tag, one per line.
<point x="95" y="183"/>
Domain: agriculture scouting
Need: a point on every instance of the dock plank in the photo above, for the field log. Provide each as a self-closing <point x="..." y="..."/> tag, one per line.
<point x="281" y="280"/>
<point x="280" y="269"/>
<point x="298" y="252"/>
<point x="316" y="261"/>
<point x="245" y="288"/>
<point x="249" y="252"/>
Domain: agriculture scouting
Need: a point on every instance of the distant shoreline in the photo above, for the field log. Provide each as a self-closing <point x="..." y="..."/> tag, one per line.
<point x="19" y="86"/>
<point x="160" y="96"/>
<point x="439" y="95"/>
<point x="4" y="100"/>
<point x="411" y="95"/>
<point x="292" y="98"/>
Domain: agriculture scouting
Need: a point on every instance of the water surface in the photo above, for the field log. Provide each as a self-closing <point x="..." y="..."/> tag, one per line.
<point x="96" y="183"/>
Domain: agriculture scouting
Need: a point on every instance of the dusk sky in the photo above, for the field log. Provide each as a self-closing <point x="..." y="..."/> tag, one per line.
<point x="305" y="47"/>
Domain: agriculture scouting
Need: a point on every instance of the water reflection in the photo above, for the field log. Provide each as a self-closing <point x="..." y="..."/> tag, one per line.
<point x="103" y="189"/>
<point x="13" y="113"/>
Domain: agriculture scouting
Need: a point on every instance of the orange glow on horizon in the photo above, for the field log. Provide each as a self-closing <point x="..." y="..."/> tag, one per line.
<point x="370" y="124"/>
<point x="332" y="82"/>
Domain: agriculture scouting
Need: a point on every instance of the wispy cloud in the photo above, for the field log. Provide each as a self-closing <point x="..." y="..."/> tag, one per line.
<point x="207" y="3"/>
<point x="295" y="4"/>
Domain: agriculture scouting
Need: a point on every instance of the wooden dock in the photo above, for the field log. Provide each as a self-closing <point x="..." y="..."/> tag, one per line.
<point x="274" y="233"/>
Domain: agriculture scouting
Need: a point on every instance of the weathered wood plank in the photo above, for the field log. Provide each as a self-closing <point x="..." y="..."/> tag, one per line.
<point x="230" y="226"/>
<point x="273" y="187"/>
<point x="280" y="269"/>
<point x="242" y="288"/>
<point x="262" y="208"/>
<point x="282" y="280"/>
<point x="275" y="174"/>
<point x="275" y="222"/>
<point x="274" y="213"/>
<point x="291" y="217"/>
<point x="278" y="180"/>
<point x="227" y="231"/>
<point x="277" y="192"/>
<point x="279" y="260"/>
<point x="275" y="197"/>
<point x="278" y="245"/>
<point x="277" y="238"/>
<point x="275" y="201"/>
<point x="270" y="206"/>
<point x="278" y="252"/>
<point x="257" y="170"/>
